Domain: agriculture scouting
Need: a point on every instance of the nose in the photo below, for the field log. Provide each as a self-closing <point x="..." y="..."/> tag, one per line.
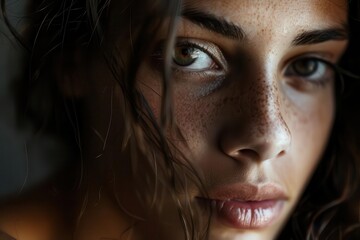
<point x="258" y="131"/>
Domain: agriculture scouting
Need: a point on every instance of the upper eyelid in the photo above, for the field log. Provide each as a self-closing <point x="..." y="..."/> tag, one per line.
<point x="192" y="44"/>
<point x="324" y="56"/>
<point x="159" y="50"/>
<point x="311" y="56"/>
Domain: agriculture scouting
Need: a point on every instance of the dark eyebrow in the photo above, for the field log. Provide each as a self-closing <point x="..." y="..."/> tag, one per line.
<point x="214" y="23"/>
<point x="230" y="30"/>
<point x="319" y="36"/>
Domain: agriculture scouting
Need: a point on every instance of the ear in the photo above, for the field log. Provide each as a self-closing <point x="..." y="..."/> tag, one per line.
<point x="71" y="74"/>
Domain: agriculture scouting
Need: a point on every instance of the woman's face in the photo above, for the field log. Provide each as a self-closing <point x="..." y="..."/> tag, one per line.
<point x="253" y="94"/>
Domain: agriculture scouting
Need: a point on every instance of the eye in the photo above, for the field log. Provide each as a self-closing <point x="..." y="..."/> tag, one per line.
<point x="307" y="67"/>
<point x="196" y="63"/>
<point x="311" y="69"/>
<point x="193" y="57"/>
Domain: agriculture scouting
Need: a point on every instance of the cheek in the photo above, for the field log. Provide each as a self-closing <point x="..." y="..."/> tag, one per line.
<point x="309" y="123"/>
<point x="197" y="119"/>
<point x="310" y="128"/>
<point x="191" y="116"/>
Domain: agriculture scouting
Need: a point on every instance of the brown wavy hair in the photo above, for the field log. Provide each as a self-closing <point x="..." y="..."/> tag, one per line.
<point x="329" y="207"/>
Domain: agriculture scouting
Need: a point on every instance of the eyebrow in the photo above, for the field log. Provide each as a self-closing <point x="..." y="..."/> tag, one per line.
<point x="214" y="23"/>
<point x="232" y="31"/>
<point x="319" y="36"/>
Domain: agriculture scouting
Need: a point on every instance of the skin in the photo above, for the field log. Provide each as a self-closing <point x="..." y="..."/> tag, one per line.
<point x="256" y="125"/>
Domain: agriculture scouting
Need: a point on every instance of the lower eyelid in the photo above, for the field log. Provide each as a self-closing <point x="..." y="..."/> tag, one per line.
<point x="306" y="84"/>
<point x="188" y="73"/>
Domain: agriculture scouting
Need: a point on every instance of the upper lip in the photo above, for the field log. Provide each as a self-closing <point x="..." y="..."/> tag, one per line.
<point x="247" y="192"/>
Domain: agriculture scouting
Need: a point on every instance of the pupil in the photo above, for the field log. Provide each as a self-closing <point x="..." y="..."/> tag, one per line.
<point x="306" y="67"/>
<point x="186" y="52"/>
<point x="184" y="56"/>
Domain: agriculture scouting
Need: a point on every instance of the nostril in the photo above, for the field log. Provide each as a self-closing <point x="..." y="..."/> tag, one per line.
<point x="246" y="153"/>
<point x="243" y="144"/>
<point x="256" y="154"/>
<point x="281" y="153"/>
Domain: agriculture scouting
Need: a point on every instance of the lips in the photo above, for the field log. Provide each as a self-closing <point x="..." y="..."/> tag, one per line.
<point x="245" y="206"/>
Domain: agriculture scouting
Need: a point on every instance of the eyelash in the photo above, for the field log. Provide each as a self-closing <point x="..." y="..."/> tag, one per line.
<point x="219" y="66"/>
<point x="202" y="47"/>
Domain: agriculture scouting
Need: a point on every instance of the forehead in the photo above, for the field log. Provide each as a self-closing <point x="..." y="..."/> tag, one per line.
<point x="269" y="13"/>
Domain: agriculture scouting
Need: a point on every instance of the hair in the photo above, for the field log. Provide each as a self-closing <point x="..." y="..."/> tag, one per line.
<point x="58" y="30"/>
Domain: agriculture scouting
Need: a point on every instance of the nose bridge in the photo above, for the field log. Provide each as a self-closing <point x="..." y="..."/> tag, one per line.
<point x="264" y="98"/>
<point x="264" y="133"/>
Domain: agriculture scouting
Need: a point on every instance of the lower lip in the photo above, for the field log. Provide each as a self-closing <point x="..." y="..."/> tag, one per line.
<point x="249" y="214"/>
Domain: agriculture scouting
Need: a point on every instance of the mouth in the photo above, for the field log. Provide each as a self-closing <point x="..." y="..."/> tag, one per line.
<point x="244" y="206"/>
